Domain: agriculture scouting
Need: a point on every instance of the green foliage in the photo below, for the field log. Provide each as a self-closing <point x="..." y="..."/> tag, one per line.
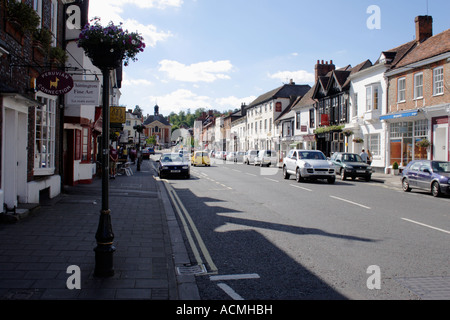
<point x="22" y="15"/>
<point x="187" y="119"/>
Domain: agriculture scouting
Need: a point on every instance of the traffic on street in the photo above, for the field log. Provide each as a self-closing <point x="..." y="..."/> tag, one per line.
<point x="253" y="234"/>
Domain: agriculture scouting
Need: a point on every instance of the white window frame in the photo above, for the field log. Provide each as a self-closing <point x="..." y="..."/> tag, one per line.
<point x="401" y="90"/>
<point x="418" y="85"/>
<point x="45" y="145"/>
<point x="373" y="144"/>
<point x="438" y="81"/>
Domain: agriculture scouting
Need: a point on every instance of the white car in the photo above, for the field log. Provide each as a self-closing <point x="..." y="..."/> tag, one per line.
<point x="266" y="158"/>
<point x="249" y="156"/>
<point x="308" y="164"/>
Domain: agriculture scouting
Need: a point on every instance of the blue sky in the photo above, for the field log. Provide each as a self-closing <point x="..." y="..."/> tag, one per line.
<point x="219" y="53"/>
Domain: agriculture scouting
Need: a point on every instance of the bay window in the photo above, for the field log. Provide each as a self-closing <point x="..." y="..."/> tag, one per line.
<point x="44" y="153"/>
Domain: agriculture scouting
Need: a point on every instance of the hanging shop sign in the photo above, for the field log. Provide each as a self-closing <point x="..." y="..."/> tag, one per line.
<point x="84" y="93"/>
<point x="54" y="82"/>
<point x="117" y="114"/>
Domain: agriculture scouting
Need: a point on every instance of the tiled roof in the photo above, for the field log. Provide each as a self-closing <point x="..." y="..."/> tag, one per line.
<point x="285" y="91"/>
<point x="429" y="48"/>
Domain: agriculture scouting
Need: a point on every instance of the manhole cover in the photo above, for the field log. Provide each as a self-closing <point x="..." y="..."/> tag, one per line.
<point x="191" y="270"/>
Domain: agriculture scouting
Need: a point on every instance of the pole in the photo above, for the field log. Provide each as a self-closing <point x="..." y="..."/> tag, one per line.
<point x="105" y="236"/>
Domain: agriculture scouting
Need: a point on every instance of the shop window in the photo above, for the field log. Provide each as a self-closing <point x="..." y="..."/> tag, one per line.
<point x="85" y="145"/>
<point x="44" y="153"/>
<point x="374" y="144"/>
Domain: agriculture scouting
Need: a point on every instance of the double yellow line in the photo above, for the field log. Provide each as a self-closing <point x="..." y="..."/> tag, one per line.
<point x="188" y="225"/>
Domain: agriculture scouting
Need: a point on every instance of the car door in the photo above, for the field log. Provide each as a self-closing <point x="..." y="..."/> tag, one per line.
<point x="424" y="176"/>
<point x="288" y="160"/>
<point x="412" y="174"/>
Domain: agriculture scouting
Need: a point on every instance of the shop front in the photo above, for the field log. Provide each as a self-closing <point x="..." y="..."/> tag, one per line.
<point x="407" y="133"/>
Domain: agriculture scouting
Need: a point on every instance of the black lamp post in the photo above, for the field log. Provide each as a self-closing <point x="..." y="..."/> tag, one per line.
<point x="105" y="236"/>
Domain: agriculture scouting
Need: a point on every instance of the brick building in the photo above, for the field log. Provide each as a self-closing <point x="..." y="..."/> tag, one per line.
<point x="418" y="98"/>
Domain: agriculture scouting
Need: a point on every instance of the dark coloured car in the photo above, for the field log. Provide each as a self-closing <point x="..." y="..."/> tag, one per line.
<point x="350" y="165"/>
<point x="173" y="164"/>
<point x="432" y="176"/>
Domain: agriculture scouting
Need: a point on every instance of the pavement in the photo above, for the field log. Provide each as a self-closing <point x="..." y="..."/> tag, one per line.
<point x="40" y="245"/>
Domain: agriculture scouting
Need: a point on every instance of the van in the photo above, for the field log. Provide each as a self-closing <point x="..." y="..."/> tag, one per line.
<point x="249" y="156"/>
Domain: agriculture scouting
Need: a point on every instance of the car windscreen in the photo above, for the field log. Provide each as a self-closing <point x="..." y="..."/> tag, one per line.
<point x="351" y="158"/>
<point x="307" y="155"/>
<point x="441" y="166"/>
<point x="172" y="158"/>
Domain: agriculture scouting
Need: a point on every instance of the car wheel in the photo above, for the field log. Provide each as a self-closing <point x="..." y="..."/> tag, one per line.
<point x="298" y="175"/>
<point x="343" y="176"/>
<point x="435" y="189"/>
<point x="331" y="180"/>
<point x="286" y="175"/>
<point x="368" y="177"/>
<point x="405" y="185"/>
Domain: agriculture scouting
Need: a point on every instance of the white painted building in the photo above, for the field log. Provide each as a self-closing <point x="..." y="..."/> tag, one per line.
<point x="368" y="98"/>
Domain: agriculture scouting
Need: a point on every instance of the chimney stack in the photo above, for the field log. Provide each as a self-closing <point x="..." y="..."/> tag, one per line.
<point x="321" y="68"/>
<point x="424" y="27"/>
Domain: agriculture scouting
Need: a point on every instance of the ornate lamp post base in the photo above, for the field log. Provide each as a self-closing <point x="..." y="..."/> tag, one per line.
<point x="104" y="252"/>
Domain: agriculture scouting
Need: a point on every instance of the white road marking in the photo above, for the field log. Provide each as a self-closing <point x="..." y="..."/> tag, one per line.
<point x="303" y="188"/>
<point x="426" y="225"/>
<point x="229" y="291"/>
<point x="272" y="180"/>
<point x="251" y="174"/>
<point x="234" y="277"/>
<point x="351" y="202"/>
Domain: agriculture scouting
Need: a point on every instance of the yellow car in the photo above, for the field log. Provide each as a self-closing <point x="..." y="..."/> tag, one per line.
<point x="199" y="158"/>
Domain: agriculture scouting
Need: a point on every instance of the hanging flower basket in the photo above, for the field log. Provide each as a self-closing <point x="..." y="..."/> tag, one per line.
<point x="424" y="143"/>
<point x="108" y="46"/>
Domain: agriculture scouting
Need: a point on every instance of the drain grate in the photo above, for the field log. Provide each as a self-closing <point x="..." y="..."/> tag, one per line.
<point x="191" y="270"/>
<point x="428" y="287"/>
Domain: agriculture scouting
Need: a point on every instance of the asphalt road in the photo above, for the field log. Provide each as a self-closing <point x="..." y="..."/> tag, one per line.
<point x="260" y="236"/>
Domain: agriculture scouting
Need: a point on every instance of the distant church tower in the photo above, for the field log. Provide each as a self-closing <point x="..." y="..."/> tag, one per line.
<point x="156" y="110"/>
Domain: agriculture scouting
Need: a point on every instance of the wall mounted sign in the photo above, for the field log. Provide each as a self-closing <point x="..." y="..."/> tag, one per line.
<point x="54" y="82"/>
<point x="84" y="93"/>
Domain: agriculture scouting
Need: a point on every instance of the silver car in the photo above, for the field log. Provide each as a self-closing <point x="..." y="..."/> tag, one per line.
<point x="308" y="164"/>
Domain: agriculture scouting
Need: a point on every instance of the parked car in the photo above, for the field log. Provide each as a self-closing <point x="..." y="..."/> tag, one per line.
<point x="173" y="164"/>
<point x="351" y="165"/>
<point x="231" y="156"/>
<point x="432" y="176"/>
<point x="145" y="153"/>
<point x="218" y="154"/>
<point x="266" y="158"/>
<point x="249" y="156"/>
<point x="239" y="156"/>
<point x="200" y="158"/>
<point x="308" y="164"/>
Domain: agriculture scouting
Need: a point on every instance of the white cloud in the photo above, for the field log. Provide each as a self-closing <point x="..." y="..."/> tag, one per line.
<point x="111" y="10"/>
<point x="136" y="82"/>
<point x="208" y="71"/>
<point x="233" y="102"/>
<point x="300" y="76"/>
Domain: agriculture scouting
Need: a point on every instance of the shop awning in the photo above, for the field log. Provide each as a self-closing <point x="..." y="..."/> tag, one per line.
<point x="400" y="115"/>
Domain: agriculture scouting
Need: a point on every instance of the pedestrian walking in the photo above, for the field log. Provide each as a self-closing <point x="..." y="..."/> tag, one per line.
<point x="364" y="156"/>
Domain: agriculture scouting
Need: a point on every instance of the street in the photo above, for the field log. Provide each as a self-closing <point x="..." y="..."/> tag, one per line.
<point x="259" y="236"/>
